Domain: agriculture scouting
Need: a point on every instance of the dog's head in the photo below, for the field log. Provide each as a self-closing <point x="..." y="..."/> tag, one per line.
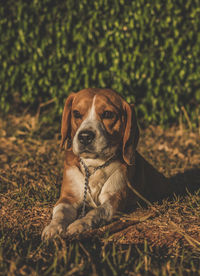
<point x="97" y="123"/>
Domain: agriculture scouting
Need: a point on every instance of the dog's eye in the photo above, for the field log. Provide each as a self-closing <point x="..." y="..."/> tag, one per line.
<point x="77" y="114"/>
<point x="107" y="114"/>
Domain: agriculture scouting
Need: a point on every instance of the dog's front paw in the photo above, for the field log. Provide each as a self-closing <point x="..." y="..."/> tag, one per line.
<point x="53" y="229"/>
<point x="77" y="227"/>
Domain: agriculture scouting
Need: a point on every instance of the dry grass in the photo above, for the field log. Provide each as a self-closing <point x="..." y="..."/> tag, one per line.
<point x="163" y="239"/>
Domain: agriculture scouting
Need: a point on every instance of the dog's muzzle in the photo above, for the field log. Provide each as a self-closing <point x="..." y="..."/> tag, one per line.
<point x="90" y="141"/>
<point x="86" y="137"/>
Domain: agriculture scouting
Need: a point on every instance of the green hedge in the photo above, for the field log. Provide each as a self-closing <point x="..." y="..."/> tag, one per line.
<point x="149" y="51"/>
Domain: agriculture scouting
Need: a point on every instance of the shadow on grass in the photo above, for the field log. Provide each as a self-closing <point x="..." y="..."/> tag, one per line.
<point x="188" y="181"/>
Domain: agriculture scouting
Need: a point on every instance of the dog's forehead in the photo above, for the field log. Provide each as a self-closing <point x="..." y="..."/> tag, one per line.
<point x="85" y="98"/>
<point x="107" y="98"/>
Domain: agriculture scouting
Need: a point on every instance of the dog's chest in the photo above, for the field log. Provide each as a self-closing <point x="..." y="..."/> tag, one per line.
<point x="97" y="182"/>
<point x="95" y="185"/>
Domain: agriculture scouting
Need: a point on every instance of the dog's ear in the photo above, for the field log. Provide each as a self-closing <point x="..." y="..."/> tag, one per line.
<point x="66" y="122"/>
<point x="131" y="134"/>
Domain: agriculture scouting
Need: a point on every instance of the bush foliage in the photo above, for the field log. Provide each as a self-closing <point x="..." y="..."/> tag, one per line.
<point x="146" y="50"/>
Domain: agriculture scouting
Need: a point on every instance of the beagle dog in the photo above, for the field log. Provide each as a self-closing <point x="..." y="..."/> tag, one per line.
<point x="100" y="134"/>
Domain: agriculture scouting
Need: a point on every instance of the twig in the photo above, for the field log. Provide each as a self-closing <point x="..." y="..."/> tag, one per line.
<point x="187" y="117"/>
<point x="7" y="180"/>
<point x="94" y="271"/>
<point x="42" y="105"/>
<point x="112" y="228"/>
<point x="190" y="240"/>
<point x="75" y="269"/>
<point x="48" y="102"/>
<point x="139" y="195"/>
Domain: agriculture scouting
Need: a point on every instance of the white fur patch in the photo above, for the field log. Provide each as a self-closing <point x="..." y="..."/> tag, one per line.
<point x="93" y="162"/>
<point x="91" y="118"/>
<point x="104" y="182"/>
<point x="115" y="182"/>
<point x="92" y="112"/>
<point x="76" y="182"/>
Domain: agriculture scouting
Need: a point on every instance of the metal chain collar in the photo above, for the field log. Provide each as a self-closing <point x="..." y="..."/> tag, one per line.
<point x="87" y="176"/>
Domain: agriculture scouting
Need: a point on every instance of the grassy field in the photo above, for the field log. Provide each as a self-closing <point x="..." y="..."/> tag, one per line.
<point x="161" y="239"/>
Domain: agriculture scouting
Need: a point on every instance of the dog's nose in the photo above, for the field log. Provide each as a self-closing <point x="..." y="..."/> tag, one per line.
<point x="86" y="137"/>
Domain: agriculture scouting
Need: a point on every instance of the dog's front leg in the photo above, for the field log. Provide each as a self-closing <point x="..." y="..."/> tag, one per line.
<point x="95" y="217"/>
<point x="63" y="215"/>
<point x="100" y="214"/>
<point x="65" y="211"/>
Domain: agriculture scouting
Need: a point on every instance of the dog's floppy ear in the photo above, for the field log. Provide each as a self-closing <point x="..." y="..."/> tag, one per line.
<point x="66" y="122"/>
<point x="131" y="135"/>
